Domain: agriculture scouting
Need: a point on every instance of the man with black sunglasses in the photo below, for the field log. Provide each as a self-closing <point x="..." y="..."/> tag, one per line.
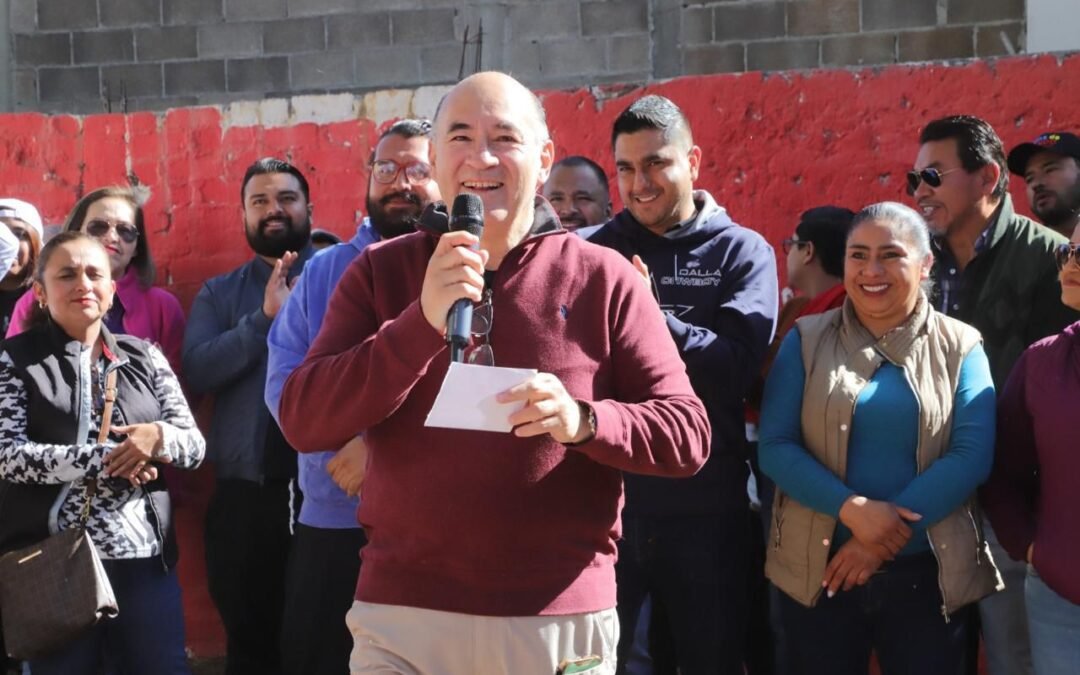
<point x="995" y="270"/>
<point x="325" y="557"/>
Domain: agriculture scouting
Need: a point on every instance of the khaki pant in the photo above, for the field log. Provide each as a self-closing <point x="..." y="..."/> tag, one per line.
<point x="390" y="639"/>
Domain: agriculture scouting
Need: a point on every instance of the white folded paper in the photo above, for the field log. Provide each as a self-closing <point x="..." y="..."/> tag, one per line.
<point x="467" y="398"/>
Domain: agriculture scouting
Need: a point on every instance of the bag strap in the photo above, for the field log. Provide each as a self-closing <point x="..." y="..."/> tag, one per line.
<point x="106" y="414"/>
<point x="103" y="435"/>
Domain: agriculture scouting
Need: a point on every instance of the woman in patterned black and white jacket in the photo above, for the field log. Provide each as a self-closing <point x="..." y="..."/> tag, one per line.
<point x="51" y="401"/>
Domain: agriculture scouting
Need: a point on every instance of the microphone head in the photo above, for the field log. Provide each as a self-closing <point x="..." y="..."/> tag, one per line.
<point x="467" y="214"/>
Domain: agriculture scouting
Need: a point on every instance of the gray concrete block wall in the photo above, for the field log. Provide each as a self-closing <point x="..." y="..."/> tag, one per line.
<point x="87" y="55"/>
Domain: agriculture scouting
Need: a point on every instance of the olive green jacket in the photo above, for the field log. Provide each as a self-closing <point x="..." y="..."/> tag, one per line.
<point x="1012" y="293"/>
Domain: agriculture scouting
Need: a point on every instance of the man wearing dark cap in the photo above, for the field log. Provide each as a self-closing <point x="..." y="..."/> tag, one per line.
<point x="1050" y="166"/>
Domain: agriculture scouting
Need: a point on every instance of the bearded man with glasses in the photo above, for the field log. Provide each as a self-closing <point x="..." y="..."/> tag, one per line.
<point x="325" y="558"/>
<point x="995" y="270"/>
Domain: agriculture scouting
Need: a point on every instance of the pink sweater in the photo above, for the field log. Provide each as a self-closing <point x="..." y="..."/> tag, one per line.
<point x="152" y="314"/>
<point x="488" y="523"/>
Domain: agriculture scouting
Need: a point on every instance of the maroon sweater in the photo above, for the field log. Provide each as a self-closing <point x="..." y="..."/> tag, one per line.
<point x="1033" y="494"/>
<point x="488" y="523"/>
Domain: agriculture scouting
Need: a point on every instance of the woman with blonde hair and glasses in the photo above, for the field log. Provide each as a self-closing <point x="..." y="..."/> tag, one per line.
<point x="877" y="426"/>
<point x="114" y="216"/>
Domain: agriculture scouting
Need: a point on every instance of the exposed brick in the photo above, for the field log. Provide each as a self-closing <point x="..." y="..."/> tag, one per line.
<point x="667" y="30"/>
<point x="156" y="104"/>
<point x="64" y="14"/>
<point x="558" y="19"/>
<point x="230" y="39"/>
<point x="358" y="31"/>
<point x="525" y="61"/>
<point x="440" y="63"/>
<point x="193" y="77"/>
<point x="321" y="7"/>
<point x="782" y="55"/>
<point x="105" y="46"/>
<point x="57" y="84"/>
<point x="425" y="27"/>
<point x="748" y="22"/>
<point x="972" y="11"/>
<point x="822" y="17"/>
<point x="989" y="40"/>
<point x="616" y="16"/>
<point x="729" y="58"/>
<point x="43" y="49"/>
<point x="142" y="79"/>
<point x="25" y="89"/>
<point x="162" y="44"/>
<point x="192" y="11"/>
<point x="381" y="67"/>
<point x="936" y="45"/>
<point x="628" y="53"/>
<point x="129" y="12"/>
<point x="264" y="75"/>
<point x="22" y="17"/>
<point x="259" y="10"/>
<point x="572" y="57"/>
<point x="294" y="35"/>
<point x="885" y="14"/>
<point x="697" y="26"/>
<point x="325" y="69"/>
<point x="78" y="106"/>
<point x="857" y="50"/>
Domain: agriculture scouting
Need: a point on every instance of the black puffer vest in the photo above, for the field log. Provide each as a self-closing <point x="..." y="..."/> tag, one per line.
<point x="47" y="361"/>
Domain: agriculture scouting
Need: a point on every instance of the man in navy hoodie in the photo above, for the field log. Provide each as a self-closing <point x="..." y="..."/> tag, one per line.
<point x="687" y="542"/>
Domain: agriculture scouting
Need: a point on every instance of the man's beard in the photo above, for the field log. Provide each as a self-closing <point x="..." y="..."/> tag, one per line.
<point x="292" y="238"/>
<point x="400" y="222"/>
<point x="1064" y="208"/>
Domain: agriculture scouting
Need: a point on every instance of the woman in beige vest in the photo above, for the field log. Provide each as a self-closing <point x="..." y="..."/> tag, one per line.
<point x="877" y="426"/>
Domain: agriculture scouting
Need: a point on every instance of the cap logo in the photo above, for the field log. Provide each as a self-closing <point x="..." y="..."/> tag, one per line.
<point x="1047" y="139"/>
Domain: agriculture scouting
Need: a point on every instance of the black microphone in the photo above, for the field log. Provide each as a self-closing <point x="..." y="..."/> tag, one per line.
<point x="467" y="214"/>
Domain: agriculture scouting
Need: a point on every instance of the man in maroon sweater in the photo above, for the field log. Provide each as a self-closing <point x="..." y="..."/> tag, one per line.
<point x="488" y="552"/>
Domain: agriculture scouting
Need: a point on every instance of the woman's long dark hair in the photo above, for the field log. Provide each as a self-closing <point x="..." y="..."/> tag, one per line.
<point x="142" y="261"/>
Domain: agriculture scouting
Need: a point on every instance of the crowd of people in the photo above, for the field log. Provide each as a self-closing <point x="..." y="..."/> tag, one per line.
<point x="699" y="479"/>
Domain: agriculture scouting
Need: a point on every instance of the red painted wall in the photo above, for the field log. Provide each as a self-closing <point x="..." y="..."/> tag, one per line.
<point x="773" y="146"/>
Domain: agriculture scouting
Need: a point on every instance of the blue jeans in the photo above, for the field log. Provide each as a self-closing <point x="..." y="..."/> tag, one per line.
<point x="696" y="568"/>
<point x="1054" y="623"/>
<point x="897" y="614"/>
<point x="147" y="636"/>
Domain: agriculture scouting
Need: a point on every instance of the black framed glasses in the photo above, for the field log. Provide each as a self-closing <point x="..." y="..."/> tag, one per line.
<point x="930" y="176"/>
<point x="386" y="171"/>
<point x="1066" y="252"/>
<point x="98" y="228"/>
<point x="789" y="244"/>
<point x="480" y="353"/>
